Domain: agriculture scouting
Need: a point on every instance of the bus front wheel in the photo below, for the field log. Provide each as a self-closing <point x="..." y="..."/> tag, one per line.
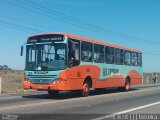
<point x="86" y="89"/>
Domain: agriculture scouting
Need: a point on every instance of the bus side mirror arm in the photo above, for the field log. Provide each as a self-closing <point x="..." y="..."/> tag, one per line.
<point x="21" y="50"/>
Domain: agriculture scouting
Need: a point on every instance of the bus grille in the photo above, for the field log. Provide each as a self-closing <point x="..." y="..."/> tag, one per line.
<point x="41" y="79"/>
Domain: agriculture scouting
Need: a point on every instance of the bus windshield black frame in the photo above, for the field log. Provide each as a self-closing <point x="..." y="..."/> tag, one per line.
<point x="46" y="57"/>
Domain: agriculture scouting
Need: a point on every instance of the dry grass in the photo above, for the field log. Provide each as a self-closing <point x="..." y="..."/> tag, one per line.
<point x="12" y="80"/>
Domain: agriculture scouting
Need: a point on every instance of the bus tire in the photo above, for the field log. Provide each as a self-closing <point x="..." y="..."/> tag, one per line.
<point x="86" y="89"/>
<point x="53" y="93"/>
<point x="126" y="87"/>
<point x="127" y="84"/>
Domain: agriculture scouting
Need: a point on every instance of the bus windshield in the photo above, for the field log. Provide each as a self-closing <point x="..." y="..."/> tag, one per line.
<point x="46" y="57"/>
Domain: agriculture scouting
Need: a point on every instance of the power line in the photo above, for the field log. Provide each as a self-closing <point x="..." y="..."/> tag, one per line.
<point x="62" y="18"/>
<point x="78" y="21"/>
<point x="154" y="54"/>
<point x="20" y="27"/>
<point x="157" y="43"/>
<point x="29" y="23"/>
<point x="58" y="14"/>
<point x="49" y="16"/>
<point x="28" y="30"/>
<point x="44" y="12"/>
<point x="13" y="27"/>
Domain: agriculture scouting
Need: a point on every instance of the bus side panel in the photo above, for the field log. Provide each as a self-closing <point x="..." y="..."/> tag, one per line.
<point x="119" y="80"/>
<point x="75" y="76"/>
<point x="135" y="77"/>
<point x="112" y="81"/>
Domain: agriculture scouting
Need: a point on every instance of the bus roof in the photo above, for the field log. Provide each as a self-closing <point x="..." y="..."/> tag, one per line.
<point x="88" y="40"/>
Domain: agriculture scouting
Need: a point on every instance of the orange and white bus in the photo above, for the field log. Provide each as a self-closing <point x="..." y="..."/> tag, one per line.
<point x="66" y="62"/>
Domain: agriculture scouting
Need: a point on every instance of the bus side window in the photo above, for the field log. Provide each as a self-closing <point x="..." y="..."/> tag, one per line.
<point x="117" y="56"/>
<point x="74" y="52"/>
<point x="98" y="53"/>
<point x="86" y="51"/>
<point x="122" y="57"/>
<point x="109" y="53"/>
<point x="127" y="58"/>
<point x="134" y="59"/>
<point x="139" y="59"/>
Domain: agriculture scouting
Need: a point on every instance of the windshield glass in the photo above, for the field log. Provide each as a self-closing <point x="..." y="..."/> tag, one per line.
<point x="46" y="57"/>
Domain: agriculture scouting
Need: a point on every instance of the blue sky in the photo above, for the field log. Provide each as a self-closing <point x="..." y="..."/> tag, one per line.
<point x="136" y="18"/>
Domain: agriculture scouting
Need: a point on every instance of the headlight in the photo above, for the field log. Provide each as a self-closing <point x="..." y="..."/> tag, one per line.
<point x="58" y="81"/>
<point x="26" y="79"/>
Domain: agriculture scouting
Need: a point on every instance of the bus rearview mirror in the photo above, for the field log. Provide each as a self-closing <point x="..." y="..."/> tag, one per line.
<point x="21" y="50"/>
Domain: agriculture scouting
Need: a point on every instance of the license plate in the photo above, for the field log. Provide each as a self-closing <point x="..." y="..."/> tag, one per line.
<point x="39" y="87"/>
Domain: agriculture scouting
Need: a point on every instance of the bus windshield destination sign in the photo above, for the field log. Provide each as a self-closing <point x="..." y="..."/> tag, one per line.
<point x="45" y="38"/>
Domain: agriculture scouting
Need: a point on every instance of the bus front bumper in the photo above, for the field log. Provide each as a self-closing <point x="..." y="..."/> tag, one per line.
<point x="43" y="87"/>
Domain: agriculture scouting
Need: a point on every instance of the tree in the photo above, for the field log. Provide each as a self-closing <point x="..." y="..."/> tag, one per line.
<point x="5" y="67"/>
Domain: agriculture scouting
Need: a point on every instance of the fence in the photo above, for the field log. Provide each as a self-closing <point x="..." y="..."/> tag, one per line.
<point x="147" y="78"/>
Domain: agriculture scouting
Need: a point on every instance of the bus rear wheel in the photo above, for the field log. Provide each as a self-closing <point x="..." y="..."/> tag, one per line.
<point x="86" y="89"/>
<point x="126" y="87"/>
<point x="53" y="93"/>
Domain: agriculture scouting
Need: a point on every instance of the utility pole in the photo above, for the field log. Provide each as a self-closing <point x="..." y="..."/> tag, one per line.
<point x="0" y="85"/>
